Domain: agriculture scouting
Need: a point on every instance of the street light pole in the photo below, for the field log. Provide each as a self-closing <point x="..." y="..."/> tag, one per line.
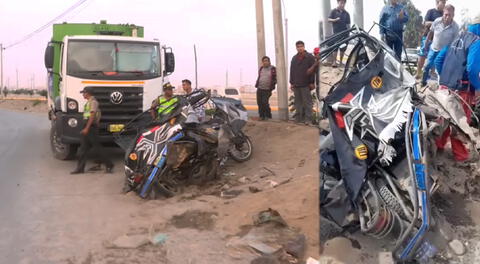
<point x="280" y="61"/>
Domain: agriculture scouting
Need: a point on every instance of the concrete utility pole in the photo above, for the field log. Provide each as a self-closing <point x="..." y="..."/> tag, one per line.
<point x="226" y="79"/>
<point x="286" y="37"/>
<point x="1" y="69"/>
<point x="241" y="78"/>
<point x="17" y="79"/>
<point x="196" y="72"/>
<point x="280" y="61"/>
<point x="325" y="26"/>
<point x="286" y="44"/>
<point x="260" y="31"/>
<point x="358" y="12"/>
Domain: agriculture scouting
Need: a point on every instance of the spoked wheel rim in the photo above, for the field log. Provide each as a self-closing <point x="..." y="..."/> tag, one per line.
<point x="242" y="151"/>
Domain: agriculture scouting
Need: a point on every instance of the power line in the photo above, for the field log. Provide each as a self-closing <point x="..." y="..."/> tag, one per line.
<point x="78" y="11"/>
<point x="77" y="4"/>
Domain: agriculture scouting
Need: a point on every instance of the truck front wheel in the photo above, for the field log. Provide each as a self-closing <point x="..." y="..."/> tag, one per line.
<point x="60" y="150"/>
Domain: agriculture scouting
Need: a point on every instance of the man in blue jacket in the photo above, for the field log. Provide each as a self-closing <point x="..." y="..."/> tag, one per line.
<point x="459" y="67"/>
<point x="392" y="20"/>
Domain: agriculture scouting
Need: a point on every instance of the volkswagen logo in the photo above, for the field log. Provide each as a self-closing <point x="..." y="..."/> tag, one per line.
<point x="116" y="97"/>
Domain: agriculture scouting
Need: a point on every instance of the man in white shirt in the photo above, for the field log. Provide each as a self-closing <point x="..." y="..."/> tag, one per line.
<point x="200" y="110"/>
<point x="444" y="31"/>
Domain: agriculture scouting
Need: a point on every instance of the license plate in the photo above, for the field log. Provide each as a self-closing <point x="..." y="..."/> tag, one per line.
<point x="115" y="128"/>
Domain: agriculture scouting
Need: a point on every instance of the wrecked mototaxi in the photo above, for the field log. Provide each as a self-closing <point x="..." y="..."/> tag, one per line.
<point x="163" y="156"/>
<point x="375" y="157"/>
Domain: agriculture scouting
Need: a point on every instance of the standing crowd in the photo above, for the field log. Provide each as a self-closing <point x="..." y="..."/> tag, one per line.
<point x="447" y="54"/>
<point x="303" y="68"/>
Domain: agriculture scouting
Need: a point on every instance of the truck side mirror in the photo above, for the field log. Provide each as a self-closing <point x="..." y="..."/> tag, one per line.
<point x="169" y="62"/>
<point x="49" y="56"/>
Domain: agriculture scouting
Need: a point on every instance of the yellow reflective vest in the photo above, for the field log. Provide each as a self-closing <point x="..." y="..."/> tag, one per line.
<point x="165" y="106"/>
<point x="88" y="108"/>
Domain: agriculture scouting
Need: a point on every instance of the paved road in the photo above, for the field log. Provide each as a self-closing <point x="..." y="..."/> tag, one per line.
<point x="46" y="214"/>
<point x="23" y="141"/>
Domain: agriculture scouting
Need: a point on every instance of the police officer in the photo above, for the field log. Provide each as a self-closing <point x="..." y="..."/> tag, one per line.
<point x="165" y="103"/>
<point x="89" y="134"/>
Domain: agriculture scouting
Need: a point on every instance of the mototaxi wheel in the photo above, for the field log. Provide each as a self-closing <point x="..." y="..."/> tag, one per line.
<point x="242" y="152"/>
<point x="165" y="185"/>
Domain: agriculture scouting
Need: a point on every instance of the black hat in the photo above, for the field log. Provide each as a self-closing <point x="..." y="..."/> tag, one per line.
<point x="168" y="86"/>
<point x="87" y="90"/>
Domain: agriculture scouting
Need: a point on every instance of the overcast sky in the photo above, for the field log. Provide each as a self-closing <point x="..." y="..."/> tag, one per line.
<point x="223" y="30"/>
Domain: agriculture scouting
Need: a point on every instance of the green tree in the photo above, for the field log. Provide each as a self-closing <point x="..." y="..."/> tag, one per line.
<point x="43" y="93"/>
<point x="414" y="28"/>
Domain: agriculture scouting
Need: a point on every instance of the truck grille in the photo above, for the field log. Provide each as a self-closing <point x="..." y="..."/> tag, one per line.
<point x="130" y="106"/>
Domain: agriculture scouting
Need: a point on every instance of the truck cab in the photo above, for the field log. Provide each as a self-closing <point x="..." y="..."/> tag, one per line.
<point x="125" y="70"/>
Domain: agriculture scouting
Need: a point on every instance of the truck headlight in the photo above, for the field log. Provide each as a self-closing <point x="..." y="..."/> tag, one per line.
<point x="72" y="105"/>
<point x="73" y="122"/>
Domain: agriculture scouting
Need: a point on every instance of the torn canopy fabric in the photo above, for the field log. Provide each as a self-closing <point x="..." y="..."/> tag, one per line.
<point x="368" y="108"/>
<point x="449" y="106"/>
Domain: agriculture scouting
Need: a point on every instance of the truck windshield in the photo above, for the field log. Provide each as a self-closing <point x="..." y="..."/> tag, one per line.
<point x="113" y="60"/>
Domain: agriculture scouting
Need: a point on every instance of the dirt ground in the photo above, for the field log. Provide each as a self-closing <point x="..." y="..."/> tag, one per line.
<point x="33" y="106"/>
<point x="202" y="225"/>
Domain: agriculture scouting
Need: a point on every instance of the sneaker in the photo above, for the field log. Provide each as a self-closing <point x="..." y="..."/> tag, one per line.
<point x="97" y="167"/>
<point x="77" y="171"/>
<point x="109" y="169"/>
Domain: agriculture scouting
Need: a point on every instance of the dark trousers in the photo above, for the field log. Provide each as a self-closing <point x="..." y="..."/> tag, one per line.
<point x="90" y="142"/>
<point x="264" y="110"/>
<point x="395" y="43"/>
<point x="303" y="104"/>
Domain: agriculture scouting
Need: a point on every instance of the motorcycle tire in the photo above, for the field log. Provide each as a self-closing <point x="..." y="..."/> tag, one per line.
<point x="165" y="188"/>
<point x="246" y="157"/>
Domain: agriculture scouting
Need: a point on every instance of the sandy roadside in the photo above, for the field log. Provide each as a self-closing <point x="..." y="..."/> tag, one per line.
<point x="282" y="171"/>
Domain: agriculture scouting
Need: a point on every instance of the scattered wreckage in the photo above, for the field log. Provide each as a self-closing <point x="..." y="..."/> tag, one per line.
<point x="165" y="155"/>
<point x="375" y="160"/>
